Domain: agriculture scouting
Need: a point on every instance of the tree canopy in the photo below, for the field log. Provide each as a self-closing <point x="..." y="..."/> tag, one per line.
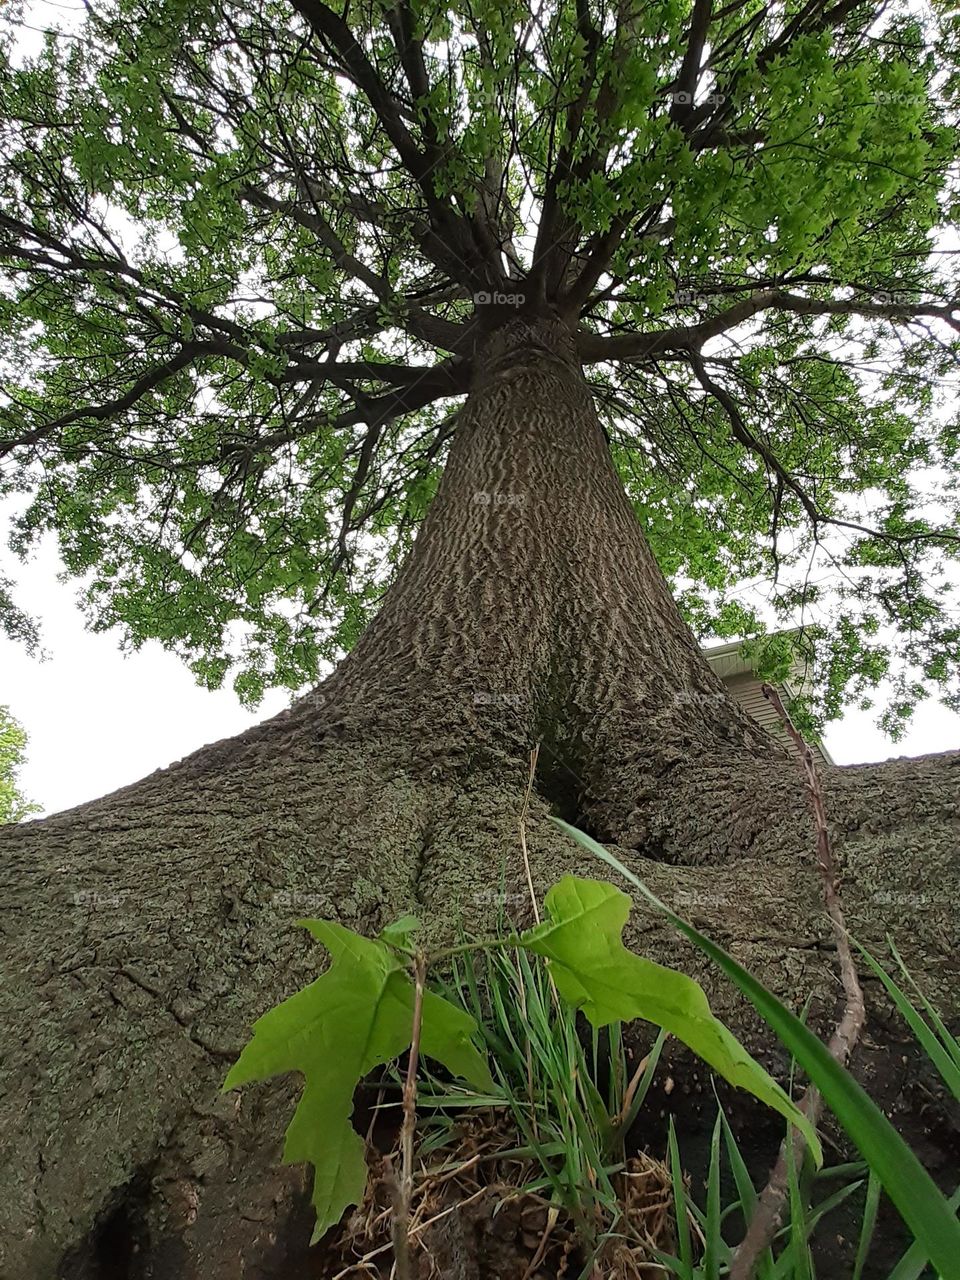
<point x="14" y="807"/>
<point x="246" y="245"/>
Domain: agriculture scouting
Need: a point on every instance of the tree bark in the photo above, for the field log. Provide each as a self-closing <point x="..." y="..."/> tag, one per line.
<point x="144" y="932"/>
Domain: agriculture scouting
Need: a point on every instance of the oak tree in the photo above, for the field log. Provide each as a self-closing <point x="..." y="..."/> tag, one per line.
<point x="482" y="352"/>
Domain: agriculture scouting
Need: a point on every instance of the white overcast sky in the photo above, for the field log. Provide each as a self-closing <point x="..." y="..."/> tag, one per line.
<point x="99" y="719"/>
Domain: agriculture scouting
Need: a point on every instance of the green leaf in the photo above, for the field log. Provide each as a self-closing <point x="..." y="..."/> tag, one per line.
<point x="13" y="740"/>
<point x="594" y="971"/>
<point x="400" y="932"/>
<point x="447" y="1035"/>
<point x="355" y="1017"/>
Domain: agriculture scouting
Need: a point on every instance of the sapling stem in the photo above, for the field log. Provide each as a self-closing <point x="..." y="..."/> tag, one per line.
<point x="401" y="1193"/>
<point x="766" y="1219"/>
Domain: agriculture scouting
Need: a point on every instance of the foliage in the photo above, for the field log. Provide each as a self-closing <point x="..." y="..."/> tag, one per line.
<point x="359" y="1015"/>
<point x="14" y="807"/>
<point x="504" y="1028"/>
<point x="911" y="1189"/>
<point x="595" y="972"/>
<point x="356" y="1016"/>
<point x="550" y="1084"/>
<point x="244" y="242"/>
<point x="811" y="1202"/>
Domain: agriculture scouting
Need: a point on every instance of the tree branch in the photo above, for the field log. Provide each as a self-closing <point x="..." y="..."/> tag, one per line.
<point x="112" y="408"/>
<point x="595" y="348"/>
<point x="452" y="246"/>
<point x="313" y="221"/>
<point x="686" y="82"/>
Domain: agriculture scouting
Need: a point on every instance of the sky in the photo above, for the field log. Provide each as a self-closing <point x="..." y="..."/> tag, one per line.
<point x="98" y="718"/>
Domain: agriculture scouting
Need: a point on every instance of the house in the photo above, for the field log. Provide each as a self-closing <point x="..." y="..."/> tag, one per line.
<point x="738" y="674"/>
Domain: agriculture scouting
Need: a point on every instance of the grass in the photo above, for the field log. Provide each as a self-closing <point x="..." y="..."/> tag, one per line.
<point x="572" y="1103"/>
<point x="570" y="1098"/>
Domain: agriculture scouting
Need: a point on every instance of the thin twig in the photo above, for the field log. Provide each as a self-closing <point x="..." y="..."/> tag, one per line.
<point x="523" y="830"/>
<point x="410" y="1084"/>
<point x="769" y="1210"/>
<point x="401" y="1194"/>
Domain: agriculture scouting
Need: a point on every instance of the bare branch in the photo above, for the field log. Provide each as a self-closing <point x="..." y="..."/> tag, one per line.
<point x="769" y="1210"/>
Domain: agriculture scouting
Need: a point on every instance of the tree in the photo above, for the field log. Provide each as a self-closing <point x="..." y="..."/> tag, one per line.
<point x="587" y="298"/>
<point x="14" y="806"/>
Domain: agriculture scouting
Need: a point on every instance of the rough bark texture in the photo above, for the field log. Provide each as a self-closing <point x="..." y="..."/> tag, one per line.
<point x="144" y="932"/>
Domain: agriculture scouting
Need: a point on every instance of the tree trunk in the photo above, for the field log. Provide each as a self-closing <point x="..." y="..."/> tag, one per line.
<point x="145" y="932"/>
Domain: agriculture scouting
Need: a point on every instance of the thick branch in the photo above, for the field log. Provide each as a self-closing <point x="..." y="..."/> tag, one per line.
<point x="555" y="227"/>
<point x="452" y="247"/>
<point x="690" y="67"/>
<point x="595" y="348"/>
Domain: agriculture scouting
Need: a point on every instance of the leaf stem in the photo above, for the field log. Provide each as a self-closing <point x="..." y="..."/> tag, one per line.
<point x="484" y="944"/>
<point x="403" y="1194"/>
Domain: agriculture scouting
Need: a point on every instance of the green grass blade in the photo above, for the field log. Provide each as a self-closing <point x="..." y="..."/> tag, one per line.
<point x="870" y="1206"/>
<point x="800" y="1226"/>
<point x="914" y="1262"/>
<point x="943" y="1061"/>
<point x="680" y="1207"/>
<point x="947" y="1039"/>
<point x="673" y="1264"/>
<point x="746" y="1191"/>
<point x="827" y="1206"/>
<point x="714" y="1247"/>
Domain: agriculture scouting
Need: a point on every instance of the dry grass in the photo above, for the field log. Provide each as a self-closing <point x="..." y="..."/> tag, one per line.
<point x="478" y="1212"/>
